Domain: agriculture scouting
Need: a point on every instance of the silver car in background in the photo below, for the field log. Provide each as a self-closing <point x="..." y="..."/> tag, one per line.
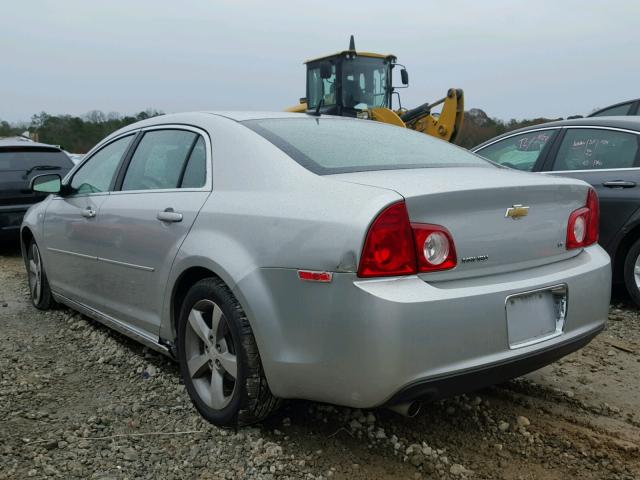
<point x="338" y="260"/>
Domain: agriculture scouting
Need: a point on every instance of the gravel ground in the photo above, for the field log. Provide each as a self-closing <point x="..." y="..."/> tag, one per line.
<point x="80" y="401"/>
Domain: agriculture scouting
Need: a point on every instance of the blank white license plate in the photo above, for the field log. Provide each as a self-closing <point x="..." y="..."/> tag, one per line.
<point x="535" y="316"/>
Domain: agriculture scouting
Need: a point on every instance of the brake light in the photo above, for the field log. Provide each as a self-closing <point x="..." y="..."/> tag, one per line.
<point x="396" y="247"/>
<point x="389" y="248"/>
<point x="582" y="227"/>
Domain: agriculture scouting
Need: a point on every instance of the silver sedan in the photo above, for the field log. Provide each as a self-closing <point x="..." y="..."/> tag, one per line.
<point x="338" y="260"/>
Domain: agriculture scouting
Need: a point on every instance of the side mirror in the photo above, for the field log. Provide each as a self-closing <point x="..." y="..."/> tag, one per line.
<point x="404" y="76"/>
<point x="325" y="70"/>
<point x="48" y="183"/>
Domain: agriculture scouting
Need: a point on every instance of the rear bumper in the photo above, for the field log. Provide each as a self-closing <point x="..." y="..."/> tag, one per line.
<point x="475" y="379"/>
<point x="365" y="343"/>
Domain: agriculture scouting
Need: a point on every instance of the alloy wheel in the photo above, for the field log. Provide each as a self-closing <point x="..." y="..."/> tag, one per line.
<point x="211" y="354"/>
<point x="35" y="273"/>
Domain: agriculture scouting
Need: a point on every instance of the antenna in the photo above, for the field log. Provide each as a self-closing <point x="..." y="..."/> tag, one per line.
<point x="352" y="44"/>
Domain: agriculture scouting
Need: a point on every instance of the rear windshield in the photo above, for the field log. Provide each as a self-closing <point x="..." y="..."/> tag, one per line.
<point x="333" y="145"/>
<point x="22" y="159"/>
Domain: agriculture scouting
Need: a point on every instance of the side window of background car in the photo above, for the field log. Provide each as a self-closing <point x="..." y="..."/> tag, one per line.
<point x="159" y="160"/>
<point x="97" y="173"/>
<point x="520" y="151"/>
<point x="195" y="173"/>
<point x="593" y="149"/>
<point x="614" y="111"/>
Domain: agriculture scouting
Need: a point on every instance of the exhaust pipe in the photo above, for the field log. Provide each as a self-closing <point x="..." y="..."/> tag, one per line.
<point x="409" y="409"/>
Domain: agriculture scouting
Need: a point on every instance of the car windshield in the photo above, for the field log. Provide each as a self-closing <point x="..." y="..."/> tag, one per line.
<point x="23" y="159"/>
<point x="328" y="145"/>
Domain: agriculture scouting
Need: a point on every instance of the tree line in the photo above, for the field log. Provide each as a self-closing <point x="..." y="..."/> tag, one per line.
<point x="73" y="133"/>
<point x="79" y="134"/>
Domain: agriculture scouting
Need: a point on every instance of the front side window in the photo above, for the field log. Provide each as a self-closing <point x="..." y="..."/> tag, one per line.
<point x="520" y="151"/>
<point x="334" y="145"/>
<point x="593" y="149"/>
<point x="158" y="160"/>
<point x="97" y="173"/>
<point x="614" y="111"/>
<point x="321" y="88"/>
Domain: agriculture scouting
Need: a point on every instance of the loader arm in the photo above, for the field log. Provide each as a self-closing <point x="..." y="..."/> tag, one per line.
<point x="447" y="125"/>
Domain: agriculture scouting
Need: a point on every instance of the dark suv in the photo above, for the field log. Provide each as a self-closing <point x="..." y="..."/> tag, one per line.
<point x="603" y="151"/>
<point x="20" y="160"/>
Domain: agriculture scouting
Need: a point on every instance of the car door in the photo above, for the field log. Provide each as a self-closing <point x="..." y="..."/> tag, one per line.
<point x="607" y="158"/>
<point x="521" y="151"/>
<point x="159" y="194"/>
<point x="70" y="229"/>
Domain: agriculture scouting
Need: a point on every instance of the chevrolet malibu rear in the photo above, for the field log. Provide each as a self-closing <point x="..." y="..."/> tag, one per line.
<point x="450" y="275"/>
<point x="338" y="260"/>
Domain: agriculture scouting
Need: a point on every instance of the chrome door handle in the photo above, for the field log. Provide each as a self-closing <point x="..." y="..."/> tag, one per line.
<point x="619" y="184"/>
<point x="88" y="212"/>
<point x="168" y="215"/>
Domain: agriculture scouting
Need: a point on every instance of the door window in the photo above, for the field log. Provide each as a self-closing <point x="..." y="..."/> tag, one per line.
<point x="97" y="173"/>
<point x="195" y="173"/>
<point x="520" y="151"/>
<point x="158" y="160"/>
<point x="614" y="111"/>
<point x="593" y="149"/>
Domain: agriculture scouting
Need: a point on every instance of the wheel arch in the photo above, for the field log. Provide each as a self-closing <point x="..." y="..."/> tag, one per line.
<point x="184" y="282"/>
<point x="619" y="253"/>
<point x="26" y="235"/>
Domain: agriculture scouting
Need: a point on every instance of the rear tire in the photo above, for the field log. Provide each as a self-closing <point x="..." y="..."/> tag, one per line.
<point x="632" y="272"/>
<point x="38" y="283"/>
<point x="219" y="359"/>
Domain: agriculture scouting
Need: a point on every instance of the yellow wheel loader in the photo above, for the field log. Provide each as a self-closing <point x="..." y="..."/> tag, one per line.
<point x="359" y="84"/>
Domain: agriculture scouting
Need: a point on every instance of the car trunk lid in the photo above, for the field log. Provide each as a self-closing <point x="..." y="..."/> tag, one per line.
<point x="472" y="203"/>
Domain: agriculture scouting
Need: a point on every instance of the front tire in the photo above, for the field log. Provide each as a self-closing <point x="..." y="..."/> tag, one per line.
<point x="632" y="272"/>
<point x="38" y="283"/>
<point x="219" y="359"/>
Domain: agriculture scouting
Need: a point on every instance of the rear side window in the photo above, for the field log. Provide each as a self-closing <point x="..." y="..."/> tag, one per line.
<point x="623" y="109"/>
<point x="195" y="173"/>
<point x="333" y="145"/>
<point x="159" y="160"/>
<point x="97" y="173"/>
<point x="21" y="159"/>
<point x="593" y="149"/>
<point x="520" y="151"/>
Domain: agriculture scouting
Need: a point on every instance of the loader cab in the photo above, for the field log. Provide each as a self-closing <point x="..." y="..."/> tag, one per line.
<point x="350" y="83"/>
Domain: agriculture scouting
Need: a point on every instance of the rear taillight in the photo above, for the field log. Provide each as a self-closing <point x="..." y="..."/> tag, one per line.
<point x="388" y="249"/>
<point x="434" y="247"/>
<point x="582" y="227"/>
<point x="396" y="247"/>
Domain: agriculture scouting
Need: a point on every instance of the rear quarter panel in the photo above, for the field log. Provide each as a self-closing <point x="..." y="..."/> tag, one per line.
<point x="266" y="211"/>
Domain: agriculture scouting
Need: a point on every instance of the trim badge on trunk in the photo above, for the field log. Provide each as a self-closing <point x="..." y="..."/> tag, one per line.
<point x="517" y="211"/>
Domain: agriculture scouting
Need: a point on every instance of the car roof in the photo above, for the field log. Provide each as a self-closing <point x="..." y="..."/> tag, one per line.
<point x="624" y="122"/>
<point x="241" y="116"/>
<point x="12" y="142"/>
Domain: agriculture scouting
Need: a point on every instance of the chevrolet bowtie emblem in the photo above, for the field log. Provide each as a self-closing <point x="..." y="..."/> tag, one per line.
<point x="516" y="212"/>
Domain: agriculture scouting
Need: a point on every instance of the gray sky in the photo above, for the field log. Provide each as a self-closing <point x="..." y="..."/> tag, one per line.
<point x="513" y="59"/>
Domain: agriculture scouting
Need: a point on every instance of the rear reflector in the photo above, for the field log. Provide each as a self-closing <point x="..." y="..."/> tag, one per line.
<point x="311" y="276"/>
